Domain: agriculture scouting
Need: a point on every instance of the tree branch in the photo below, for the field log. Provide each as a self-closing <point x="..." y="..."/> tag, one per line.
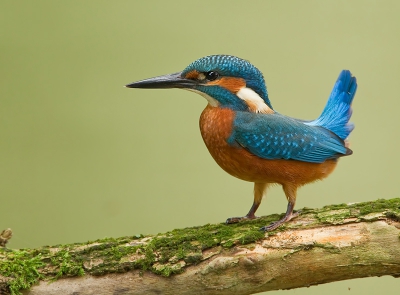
<point x="334" y="243"/>
<point x="5" y="235"/>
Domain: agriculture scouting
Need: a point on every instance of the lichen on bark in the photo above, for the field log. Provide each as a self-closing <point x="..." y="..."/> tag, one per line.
<point x="171" y="253"/>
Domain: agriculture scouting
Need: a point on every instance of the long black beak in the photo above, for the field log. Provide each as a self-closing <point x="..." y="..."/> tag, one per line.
<point x="161" y="82"/>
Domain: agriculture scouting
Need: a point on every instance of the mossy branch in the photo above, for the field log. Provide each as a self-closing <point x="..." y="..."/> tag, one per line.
<point x="334" y="243"/>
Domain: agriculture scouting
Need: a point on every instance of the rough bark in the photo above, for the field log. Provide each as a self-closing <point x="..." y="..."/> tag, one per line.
<point x="5" y="235"/>
<point x="322" y="245"/>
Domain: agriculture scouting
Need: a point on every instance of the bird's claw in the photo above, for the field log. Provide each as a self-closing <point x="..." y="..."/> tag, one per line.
<point x="297" y="213"/>
<point x="276" y="224"/>
<point x="271" y="227"/>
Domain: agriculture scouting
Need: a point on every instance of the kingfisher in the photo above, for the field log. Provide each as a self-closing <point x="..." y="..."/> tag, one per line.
<point x="250" y="140"/>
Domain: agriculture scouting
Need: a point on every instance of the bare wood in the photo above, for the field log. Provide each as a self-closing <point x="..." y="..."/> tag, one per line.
<point x="321" y="246"/>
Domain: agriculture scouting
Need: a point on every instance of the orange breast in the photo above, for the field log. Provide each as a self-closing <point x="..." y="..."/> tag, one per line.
<point x="216" y="127"/>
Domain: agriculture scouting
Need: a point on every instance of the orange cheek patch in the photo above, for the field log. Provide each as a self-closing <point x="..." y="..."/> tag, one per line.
<point x="229" y="83"/>
<point x="192" y="75"/>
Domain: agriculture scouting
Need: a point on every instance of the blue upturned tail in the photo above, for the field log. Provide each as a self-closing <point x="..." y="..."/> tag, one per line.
<point x="337" y="112"/>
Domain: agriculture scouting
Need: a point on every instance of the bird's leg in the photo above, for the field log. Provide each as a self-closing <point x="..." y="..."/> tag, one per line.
<point x="259" y="191"/>
<point x="290" y="192"/>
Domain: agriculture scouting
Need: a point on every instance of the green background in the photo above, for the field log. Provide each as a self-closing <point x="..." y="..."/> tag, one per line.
<point x="83" y="158"/>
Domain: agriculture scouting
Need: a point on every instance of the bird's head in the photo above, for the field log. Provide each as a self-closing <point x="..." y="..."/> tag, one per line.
<point x="225" y="81"/>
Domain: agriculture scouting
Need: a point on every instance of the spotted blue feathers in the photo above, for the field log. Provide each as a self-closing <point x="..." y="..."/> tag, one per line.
<point x="279" y="137"/>
<point x="224" y="97"/>
<point x="232" y="66"/>
<point x="275" y="136"/>
<point x="268" y="135"/>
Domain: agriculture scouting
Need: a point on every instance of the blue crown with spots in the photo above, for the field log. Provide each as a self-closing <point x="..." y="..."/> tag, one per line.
<point x="232" y="66"/>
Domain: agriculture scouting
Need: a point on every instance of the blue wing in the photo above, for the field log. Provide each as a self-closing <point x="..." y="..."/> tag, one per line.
<point x="275" y="136"/>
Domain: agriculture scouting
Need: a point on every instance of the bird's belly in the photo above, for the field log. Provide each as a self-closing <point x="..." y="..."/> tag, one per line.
<point x="216" y="127"/>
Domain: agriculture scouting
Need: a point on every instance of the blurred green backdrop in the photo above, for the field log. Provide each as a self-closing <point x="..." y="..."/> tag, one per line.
<point x="83" y="158"/>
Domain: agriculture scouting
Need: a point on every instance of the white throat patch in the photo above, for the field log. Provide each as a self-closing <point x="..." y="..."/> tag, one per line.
<point x="211" y="101"/>
<point x="254" y="101"/>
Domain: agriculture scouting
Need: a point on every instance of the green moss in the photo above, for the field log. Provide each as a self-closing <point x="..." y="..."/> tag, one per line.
<point x="67" y="263"/>
<point x="22" y="268"/>
<point x="393" y="215"/>
<point x="169" y="253"/>
<point x="335" y="207"/>
<point x="335" y="216"/>
<point x="366" y="211"/>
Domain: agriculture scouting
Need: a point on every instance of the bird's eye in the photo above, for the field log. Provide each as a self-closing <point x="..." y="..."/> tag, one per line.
<point x="211" y="75"/>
